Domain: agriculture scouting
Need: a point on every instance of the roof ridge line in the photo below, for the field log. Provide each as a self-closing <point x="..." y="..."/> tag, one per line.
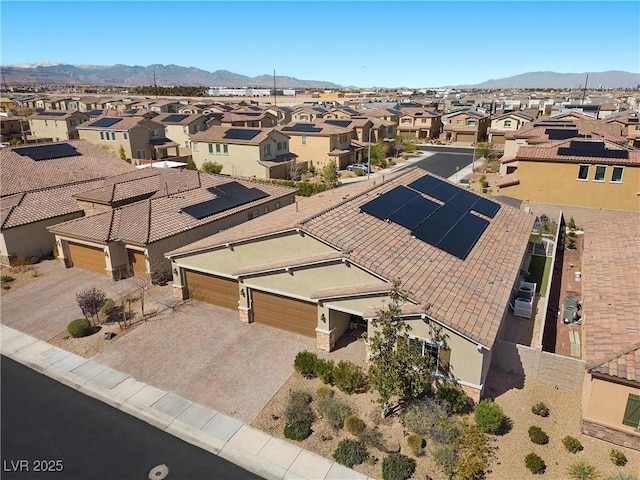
<point x="6" y="219"/>
<point x="612" y="356"/>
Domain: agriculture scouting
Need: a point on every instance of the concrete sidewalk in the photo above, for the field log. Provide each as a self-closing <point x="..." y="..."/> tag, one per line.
<point x="251" y="449"/>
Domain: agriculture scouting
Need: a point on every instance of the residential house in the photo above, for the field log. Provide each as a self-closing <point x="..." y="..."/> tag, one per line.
<point x="151" y="211"/>
<point x="10" y="127"/>
<point x="164" y="106"/>
<point x="254" y="119"/>
<point x="86" y="104"/>
<point x="587" y="172"/>
<point x="629" y="123"/>
<point x="467" y="126"/>
<point x="325" y="265"/>
<point x="141" y="139"/>
<point x="57" y="125"/>
<point x="243" y="151"/>
<point x="179" y="126"/>
<point x="317" y="144"/>
<point x="37" y="188"/>
<point x="507" y="122"/>
<point x="388" y="114"/>
<point x="419" y="123"/>
<point x="308" y="113"/>
<point x="611" y="310"/>
<point x="341" y="112"/>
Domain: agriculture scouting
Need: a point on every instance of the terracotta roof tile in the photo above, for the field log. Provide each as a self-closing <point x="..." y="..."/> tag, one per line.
<point x="217" y="133"/>
<point x="551" y="152"/>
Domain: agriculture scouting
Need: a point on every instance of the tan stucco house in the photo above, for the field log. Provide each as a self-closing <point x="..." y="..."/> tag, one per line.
<point x="178" y="127"/>
<point x="56" y="125"/>
<point x="468" y="126"/>
<point x="507" y="122"/>
<point x="419" y="123"/>
<point x="325" y="264"/>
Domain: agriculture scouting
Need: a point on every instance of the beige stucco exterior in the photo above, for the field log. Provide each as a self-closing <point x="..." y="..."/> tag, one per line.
<point x="418" y="126"/>
<point x="314" y="149"/>
<point x="557" y="183"/>
<point x="180" y="133"/>
<point x="135" y="141"/>
<point x="58" y="129"/>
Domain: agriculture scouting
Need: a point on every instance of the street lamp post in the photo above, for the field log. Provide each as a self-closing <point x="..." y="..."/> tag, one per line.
<point x="369" y="157"/>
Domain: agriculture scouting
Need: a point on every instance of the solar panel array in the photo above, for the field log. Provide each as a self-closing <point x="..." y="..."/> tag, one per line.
<point x="561" y="133"/>
<point x="240" y="134"/>
<point x="449" y="226"/>
<point x="302" y="127"/>
<point x="52" y="114"/>
<point x="338" y="123"/>
<point x="94" y="113"/>
<point x="105" y="122"/>
<point x="591" y="149"/>
<point x="229" y="195"/>
<point x="48" y="152"/>
<point x="176" y="117"/>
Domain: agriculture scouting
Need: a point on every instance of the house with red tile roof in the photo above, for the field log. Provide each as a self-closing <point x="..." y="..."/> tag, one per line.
<point x="325" y="265"/>
<point x="611" y="332"/>
<point x="37" y="188"/>
<point x="419" y="123"/>
<point x="629" y="122"/>
<point x="466" y="126"/>
<point x="145" y="213"/>
<point x="56" y="125"/>
<point x="507" y="122"/>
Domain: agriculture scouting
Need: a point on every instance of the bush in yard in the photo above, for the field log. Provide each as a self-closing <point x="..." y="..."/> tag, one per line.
<point x="323" y="369"/>
<point x="618" y="457"/>
<point x="324" y="391"/>
<point x="348" y="376"/>
<point x="540" y="409"/>
<point x="452" y="398"/>
<point x="33" y="260"/>
<point x="354" y="425"/>
<point x="582" y="470"/>
<point x="298" y="408"/>
<point x="535" y="463"/>
<point x="489" y="416"/>
<point x="350" y="453"/>
<point x="537" y="435"/>
<point x="572" y="444"/>
<point x="79" y="328"/>
<point x="622" y="476"/>
<point x="429" y="419"/>
<point x="108" y="307"/>
<point x="304" y="363"/>
<point x="473" y="452"/>
<point x="446" y="457"/>
<point x="334" y="411"/>
<point x="91" y="301"/>
<point x="297" y="430"/>
<point x="6" y="278"/>
<point x="396" y="466"/>
<point x="416" y="443"/>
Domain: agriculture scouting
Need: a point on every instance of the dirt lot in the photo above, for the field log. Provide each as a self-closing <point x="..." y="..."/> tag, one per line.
<point x="16" y="277"/>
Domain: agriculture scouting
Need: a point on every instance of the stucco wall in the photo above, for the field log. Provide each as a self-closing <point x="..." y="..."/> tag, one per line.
<point x="314" y="152"/>
<point x="242" y="160"/>
<point x="604" y="403"/>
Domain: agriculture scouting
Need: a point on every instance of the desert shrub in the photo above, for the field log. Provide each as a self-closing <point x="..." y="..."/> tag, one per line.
<point x="473" y="452"/>
<point x="429" y="419"/>
<point x="334" y="411"/>
<point x="571" y="224"/>
<point x="33" y="260"/>
<point x="396" y="466"/>
<point x="572" y="444"/>
<point x="108" y="307"/>
<point x="535" y="463"/>
<point x="350" y="453"/>
<point x="79" y="328"/>
<point x="304" y="363"/>
<point x="297" y="430"/>
<point x="298" y="408"/>
<point x="452" y="398"/>
<point x="571" y="245"/>
<point x="622" y="476"/>
<point x="324" y="391"/>
<point x="354" y="425"/>
<point x="416" y="443"/>
<point x="91" y="301"/>
<point x="446" y="457"/>
<point x="6" y="279"/>
<point x="348" y="376"/>
<point x="323" y="369"/>
<point x="211" y="167"/>
<point x="489" y="416"/>
<point x="370" y="436"/>
<point x="582" y="470"/>
<point x="618" y="457"/>
<point x="540" y="409"/>
<point x="537" y="435"/>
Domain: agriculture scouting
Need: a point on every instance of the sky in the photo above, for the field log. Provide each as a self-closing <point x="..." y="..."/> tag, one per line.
<point x="360" y="43"/>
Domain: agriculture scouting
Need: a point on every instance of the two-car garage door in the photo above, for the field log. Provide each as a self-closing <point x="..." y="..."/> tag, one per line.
<point x="285" y="313"/>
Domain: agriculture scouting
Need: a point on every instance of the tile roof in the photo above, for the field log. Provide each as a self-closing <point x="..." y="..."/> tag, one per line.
<point x="55" y="115"/>
<point x="326" y="129"/>
<point x="194" y="117"/>
<point x="216" y="133"/>
<point x="611" y="295"/>
<point x="161" y="216"/>
<point x="624" y="364"/>
<point x="20" y="173"/>
<point x="470" y="295"/>
<point x="126" y="122"/>
<point x="551" y="153"/>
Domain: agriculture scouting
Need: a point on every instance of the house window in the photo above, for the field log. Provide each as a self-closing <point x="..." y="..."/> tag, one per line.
<point x="266" y="209"/>
<point x="304" y="139"/>
<point x="406" y="120"/>
<point x="225" y="149"/>
<point x="507" y="123"/>
<point x="186" y="144"/>
<point x="113" y="135"/>
<point x="125" y="135"/>
<point x="426" y="349"/>
<point x="304" y="117"/>
<point x="267" y="149"/>
<point x="632" y="412"/>
<point x="195" y="146"/>
<point x="253" y="214"/>
<point x="458" y="122"/>
<point x="101" y="135"/>
<point x="583" y="172"/>
<point x="277" y="205"/>
<point x="599" y="176"/>
<point x="282" y="145"/>
<point x="423" y="120"/>
<point x="185" y="129"/>
<point x="471" y="123"/>
<point x="218" y="148"/>
<point x="616" y="175"/>
<point x="210" y="147"/>
<point x="140" y="153"/>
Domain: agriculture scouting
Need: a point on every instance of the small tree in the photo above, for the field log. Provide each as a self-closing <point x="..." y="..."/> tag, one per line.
<point x="90" y="302"/>
<point x="486" y="150"/>
<point x="191" y="165"/>
<point x="211" y="167"/>
<point x="294" y="170"/>
<point x="330" y="174"/>
<point x="122" y="154"/>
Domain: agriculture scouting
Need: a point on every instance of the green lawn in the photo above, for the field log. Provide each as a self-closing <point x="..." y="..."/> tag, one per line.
<point x="539" y="269"/>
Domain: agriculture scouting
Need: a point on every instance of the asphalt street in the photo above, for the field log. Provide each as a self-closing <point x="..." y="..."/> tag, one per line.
<point x="51" y="431"/>
<point x="444" y="164"/>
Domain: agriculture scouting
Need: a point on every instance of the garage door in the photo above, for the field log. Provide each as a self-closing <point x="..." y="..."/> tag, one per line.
<point x="87" y="258"/>
<point x="285" y="313"/>
<point x="466" y="137"/>
<point x="137" y="263"/>
<point x="498" y="139"/>
<point x="211" y="289"/>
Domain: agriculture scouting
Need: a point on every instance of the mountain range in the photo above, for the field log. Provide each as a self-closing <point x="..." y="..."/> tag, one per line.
<point x="50" y="73"/>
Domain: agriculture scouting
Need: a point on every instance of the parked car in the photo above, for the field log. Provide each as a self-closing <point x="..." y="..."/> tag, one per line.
<point x="358" y="166"/>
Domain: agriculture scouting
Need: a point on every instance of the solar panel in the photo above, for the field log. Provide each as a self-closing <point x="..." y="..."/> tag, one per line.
<point x="302" y="127"/>
<point x="486" y="207"/>
<point x="229" y="195"/>
<point x="175" y="118"/>
<point x="445" y="191"/>
<point x="105" y="122"/>
<point x="208" y="208"/>
<point x="560" y="133"/>
<point x="52" y="114"/>
<point x="338" y="123"/>
<point x="462" y="202"/>
<point x="591" y="149"/>
<point x="48" y="152"/>
<point x="386" y="204"/>
<point x="94" y="113"/>
<point x="463" y="236"/>
<point x="240" y="134"/>
<point x="425" y="184"/>
<point x="414" y="213"/>
<point x="437" y="225"/>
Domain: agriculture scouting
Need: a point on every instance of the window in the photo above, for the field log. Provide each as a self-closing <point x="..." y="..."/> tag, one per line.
<point x="406" y="121"/>
<point x="583" y="172"/>
<point x="210" y="147"/>
<point x="426" y="349"/>
<point x="267" y="149"/>
<point x="277" y="205"/>
<point x="282" y="145"/>
<point x="253" y="214"/>
<point x="266" y="209"/>
<point x="458" y="122"/>
<point x="507" y="123"/>
<point x="218" y="148"/>
<point x="125" y="136"/>
<point x="185" y="129"/>
<point x="632" y="412"/>
<point x="599" y="176"/>
<point x="186" y="144"/>
<point x="101" y="135"/>
<point x="225" y="149"/>
<point x="140" y="153"/>
<point x="423" y="120"/>
<point x="471" y="123"/>
<point x="304" y="117"/>
<point x="616" y="174"/>
<point x="304" y="139"/>
<point x="113" y="135"/>
<point x="195" y="146"/>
